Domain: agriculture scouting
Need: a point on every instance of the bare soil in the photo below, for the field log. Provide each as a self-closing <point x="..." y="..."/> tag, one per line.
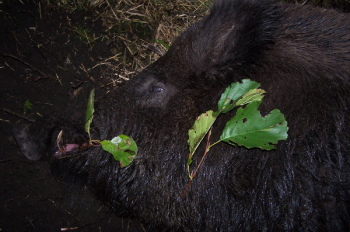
<point x="45" y="61"/>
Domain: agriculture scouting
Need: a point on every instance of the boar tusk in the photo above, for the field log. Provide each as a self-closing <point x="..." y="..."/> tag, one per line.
<point x="59" y="142"/>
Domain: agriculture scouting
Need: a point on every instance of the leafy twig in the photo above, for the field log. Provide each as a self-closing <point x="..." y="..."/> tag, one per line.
<point x="122" y="147"/>
<point x="247" y="128"/>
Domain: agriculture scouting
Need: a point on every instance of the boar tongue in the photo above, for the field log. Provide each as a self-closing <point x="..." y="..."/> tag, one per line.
<point x="64" y="148"/>
<point x="67" y="148"/>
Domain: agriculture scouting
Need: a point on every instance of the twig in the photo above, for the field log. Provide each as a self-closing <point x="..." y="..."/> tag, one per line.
<point x="194" y="173"/>
<point x="4" y="120"/>
<point x="109" y="5"/>
<point x="17" y="115"/>
<point x="154" y="49"/>
<point x="25" y="63"/>
<point x="305" y="2"/>
<point x="69" y="228"/>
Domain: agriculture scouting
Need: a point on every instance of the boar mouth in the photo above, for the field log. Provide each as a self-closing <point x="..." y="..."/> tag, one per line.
<point x="63" y="149"/>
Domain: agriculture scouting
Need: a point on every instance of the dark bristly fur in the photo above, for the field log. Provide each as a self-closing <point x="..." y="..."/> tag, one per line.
<point x="301" y="57"/>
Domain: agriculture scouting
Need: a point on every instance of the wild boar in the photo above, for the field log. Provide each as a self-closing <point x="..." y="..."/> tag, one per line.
<point x="301" y="57"/>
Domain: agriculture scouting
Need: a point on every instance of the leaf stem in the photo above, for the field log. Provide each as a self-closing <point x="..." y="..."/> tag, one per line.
<point x="207" y="148"/>
<point x="194" y="173"/>
<point x="212" y="145"/>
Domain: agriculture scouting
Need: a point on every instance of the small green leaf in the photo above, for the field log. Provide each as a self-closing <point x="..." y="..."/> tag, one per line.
<point x="232" y="93"/>
<point x="109" y="146"/>
<point x="251" y="96"/>
<point x="161" y="42"/>
<point x="27" y="106"/>
<point x="196" y="134"/>
<point x="123" y="149"/>
<point x="249" y="129"/>
<point x="200" y="128"/>
<point x="89" y="111"/>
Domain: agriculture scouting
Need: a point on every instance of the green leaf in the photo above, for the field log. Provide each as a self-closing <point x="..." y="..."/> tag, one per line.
<point x="89" y="111"/>
<point x="123" y="149"/>
<point x="232" y="93"/>
<point x="161" y="42"/>
<point x="249" y="129"/>
<point x="200" y="128"/>
<point x="27" y="106"/>
<point x="251" y="96"/>
<point x="198" y="131"/>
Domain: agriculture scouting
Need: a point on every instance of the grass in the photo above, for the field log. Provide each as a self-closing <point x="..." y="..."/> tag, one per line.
<point x="145" y="28"/>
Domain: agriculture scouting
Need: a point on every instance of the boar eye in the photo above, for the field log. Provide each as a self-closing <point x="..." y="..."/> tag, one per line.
<point x="154" y="93"/>
<point x="156" y="89"/>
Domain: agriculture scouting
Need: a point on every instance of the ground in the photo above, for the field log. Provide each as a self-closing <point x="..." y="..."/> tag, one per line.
<point x="46" y="64"/>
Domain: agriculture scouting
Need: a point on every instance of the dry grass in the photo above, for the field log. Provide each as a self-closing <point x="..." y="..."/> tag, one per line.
<point x="145" y="28"/>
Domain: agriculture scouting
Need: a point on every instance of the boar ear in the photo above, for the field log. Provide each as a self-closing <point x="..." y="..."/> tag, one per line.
<point x="231" y="40"/>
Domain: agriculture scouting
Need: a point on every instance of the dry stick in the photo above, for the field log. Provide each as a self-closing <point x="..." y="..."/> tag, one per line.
<point x="154" y="49"/>
<point x="25" y="63"/>
<point x="109" y="5"/>
<point x="305" y="2"/>
<point x="194" y="173"/>
<point x="18" y="115"/>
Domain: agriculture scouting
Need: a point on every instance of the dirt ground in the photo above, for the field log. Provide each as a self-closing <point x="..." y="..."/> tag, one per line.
<point x="45" y="65"/>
